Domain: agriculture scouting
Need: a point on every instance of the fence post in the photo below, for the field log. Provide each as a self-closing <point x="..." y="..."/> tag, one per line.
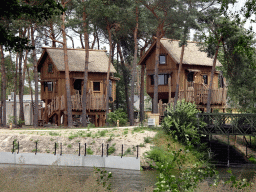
<point x="79" y="150"/>
<point x="122" y="150"/>
<point x="107" y="149"/>
<point x="36" y="148"/>
<point x="102" y="150"/>
<point x="18" y="147"/>
<point x="12" y="147"/>
<point x="60" y="149"/>
<point x="55" y="148"/>
<point x="85" y="149"/>
<point x="137" y="151"/>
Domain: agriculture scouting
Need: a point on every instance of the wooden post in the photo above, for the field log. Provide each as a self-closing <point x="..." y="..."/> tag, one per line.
<point x="170" y="89"/>
<point x="185" y="90"/>
<point x="96" y="120"/>
<point x="228" y="150"/>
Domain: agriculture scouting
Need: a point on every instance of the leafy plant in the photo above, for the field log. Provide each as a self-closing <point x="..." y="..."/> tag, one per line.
<point x="103" y="133"/>
<point x="54" y="133"/>
<point x="89" y="151"/>
<point x="128" y="152"/>
<point x="111" y="149"/>
<point x="15" y="145"/>
<point x="103" y="177"/>
<point x="118" y="114"/>
<point x="182" y="122"/>
<point x="69" y="146"/>
<point x="147" y="139"/>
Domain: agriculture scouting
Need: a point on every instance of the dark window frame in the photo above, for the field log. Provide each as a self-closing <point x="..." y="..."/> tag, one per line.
<point x="50" y="68"/>
<point x="190" y="77"/>
<point x="162" y="55"/>
<point x="205" y="79"/>
<point x="166" y="76"/>
<point x="96" y="84"/>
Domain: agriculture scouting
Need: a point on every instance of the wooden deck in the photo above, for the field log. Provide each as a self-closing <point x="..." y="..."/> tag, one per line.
<point x="198" y="95"/>
<point x="93" y="103"/>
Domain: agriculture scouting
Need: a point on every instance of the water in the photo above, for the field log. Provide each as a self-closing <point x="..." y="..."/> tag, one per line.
<point x="122" y="180"/>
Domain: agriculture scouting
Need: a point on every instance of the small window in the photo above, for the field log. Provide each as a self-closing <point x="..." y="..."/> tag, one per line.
<point x="50" y="68"/>
<point x="190" y="76"/>
<point x="162" y="59"/>
<point x="205" y="79"/>
<point x="96" y="86"/>
<point x="50" y="86"/>
<point x="162" y="79"/>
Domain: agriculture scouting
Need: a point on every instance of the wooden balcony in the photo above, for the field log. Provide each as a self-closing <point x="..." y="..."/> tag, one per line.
<point x="93" y="103"/>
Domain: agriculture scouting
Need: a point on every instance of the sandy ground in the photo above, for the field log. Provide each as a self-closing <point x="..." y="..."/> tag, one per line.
<point x="70" y="139"/>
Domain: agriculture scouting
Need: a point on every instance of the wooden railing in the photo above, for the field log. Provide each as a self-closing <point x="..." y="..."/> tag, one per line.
<point x="93" y="102"/>
<point x="199" y="96"/>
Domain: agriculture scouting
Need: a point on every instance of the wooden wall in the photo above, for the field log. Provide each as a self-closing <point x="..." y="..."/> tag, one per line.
<point x="59" y="84"/>
<point x="172" y="67"/>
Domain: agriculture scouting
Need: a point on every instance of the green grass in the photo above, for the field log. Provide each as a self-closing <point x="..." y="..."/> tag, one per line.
<point x="89" y="151"/>
<point x="128" y="152"/>
<point x="147" y="139"/>
<point x="69" y="146"/>
<point x="125" y="132"/>
<point x="54" y="133"/>
<point x="141" y="145"/>
<point x="103" y="133"/>
<point x="111" y="149"/>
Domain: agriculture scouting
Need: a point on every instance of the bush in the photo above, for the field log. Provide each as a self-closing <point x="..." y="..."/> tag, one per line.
<point x="118" y="114"/>
<point x="182" y="122"/>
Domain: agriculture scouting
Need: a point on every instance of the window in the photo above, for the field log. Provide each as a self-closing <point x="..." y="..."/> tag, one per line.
<point x="50" y="68"/>
<point x="162" y="79"/>
<point x="205" y="79"/>
<point x="48" y="85"/>
<point x="96" y="86"/>
<point x="162" y="59"/>
<point x="190" y="76"/>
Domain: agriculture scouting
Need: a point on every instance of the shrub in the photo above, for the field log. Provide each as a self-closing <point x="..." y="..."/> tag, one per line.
<point x="118" y="114"/>
<point x="111" y="149"/>
<point x="89" y="151"/>
<point x="182" y="122"/>
<point x="147" y="139"/>
<point x="103" y="133"/>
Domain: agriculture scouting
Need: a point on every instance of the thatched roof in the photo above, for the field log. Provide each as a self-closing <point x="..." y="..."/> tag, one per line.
<point x="98" y="60"/>
<point x="192" y="54"/>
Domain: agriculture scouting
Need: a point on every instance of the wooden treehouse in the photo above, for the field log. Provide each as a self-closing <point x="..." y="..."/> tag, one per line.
<point x="194" y="77"/>
<point x="53" y="89"/>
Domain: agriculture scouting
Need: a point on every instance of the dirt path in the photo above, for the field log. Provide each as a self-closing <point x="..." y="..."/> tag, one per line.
<point x="70" y="139"/>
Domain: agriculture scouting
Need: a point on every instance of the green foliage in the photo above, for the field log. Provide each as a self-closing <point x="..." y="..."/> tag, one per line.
<point x="21" y="122"/>
<point x="54" y="133"/>
<point x="111" y="149"/>
<point x="69" y="146"/>
<point x="103" y="177"/>
<point x="128" y="152"/>
<point x="11" y="119"/>
<point x="103" y="133"/>
<point x="237" y="183"/>
<point x="118" y="114"/>
<point x="147" y="139"/>
<point x="89" y="151"/>
<point x="182" y="122"/>
<point x="15" y="145"/>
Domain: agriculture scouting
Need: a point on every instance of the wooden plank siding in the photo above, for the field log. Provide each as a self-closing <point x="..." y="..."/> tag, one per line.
<point x="192" y="91"/>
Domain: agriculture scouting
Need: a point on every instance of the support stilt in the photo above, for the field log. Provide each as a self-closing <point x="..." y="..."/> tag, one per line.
<point x="228" y="150"/>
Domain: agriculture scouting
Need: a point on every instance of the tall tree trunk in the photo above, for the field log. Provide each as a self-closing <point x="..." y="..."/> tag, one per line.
<point x="142" y="94"/>
<point x="35" y="118"/>
<point x="21" y="89"/>
<point x="109" y="63"/>
<point x="126" y="81"/>
<point x="30" y="89"/>
<point x="15" y="90"/>
<point x="81" y="41"/>
<point x="67" y="79"/>
<point x="3" y="88"/>
<point x="212" y="74"/>
<point x="86" y="40"/>
<point x="178" y="77"/>
<point x="155" y="99"/>
<point x="134" y="65"/>
<point x="117" y="69"/>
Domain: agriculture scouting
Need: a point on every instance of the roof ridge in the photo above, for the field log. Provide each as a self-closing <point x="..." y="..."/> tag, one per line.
<point x="74" y="49"/>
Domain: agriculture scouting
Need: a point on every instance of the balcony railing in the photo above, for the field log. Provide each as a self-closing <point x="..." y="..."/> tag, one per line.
<point x="93" y="102"/>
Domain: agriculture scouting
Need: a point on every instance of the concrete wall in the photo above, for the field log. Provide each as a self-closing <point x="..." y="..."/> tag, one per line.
<point x="131" y="163"/>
